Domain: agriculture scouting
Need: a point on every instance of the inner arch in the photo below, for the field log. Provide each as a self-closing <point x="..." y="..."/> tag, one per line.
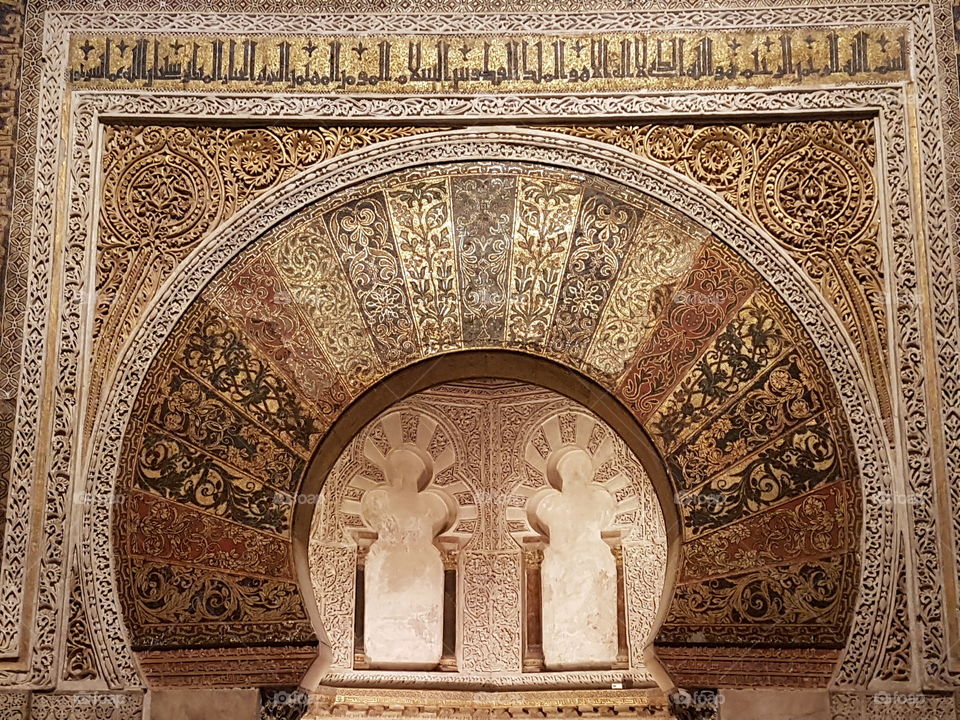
<point x="468" y="365"/>
<point x="490" y="445"/>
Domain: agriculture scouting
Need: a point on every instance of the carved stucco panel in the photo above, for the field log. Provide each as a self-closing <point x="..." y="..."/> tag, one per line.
<point x="492" y="610"/>
<point x="640" y="565"/>
<point x="332" y="570"/>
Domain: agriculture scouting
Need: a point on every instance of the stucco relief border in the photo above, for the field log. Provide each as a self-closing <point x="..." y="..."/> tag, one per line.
<point x="51" y="100"/>
<point x="940" y="270"/>
<point x="702" y="206"/>
<point x="526" y="23"/>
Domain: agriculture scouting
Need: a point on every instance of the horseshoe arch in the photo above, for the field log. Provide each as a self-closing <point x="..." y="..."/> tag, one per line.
<point x="711" y="341"/>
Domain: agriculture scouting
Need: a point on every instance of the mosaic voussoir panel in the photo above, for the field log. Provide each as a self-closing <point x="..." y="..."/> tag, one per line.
<point x="801" y="460"/>
<point x="194" y="412"/>
<point x="700" y="307"/>
<point x="218" y="351"/>
<point x="801" y="601"/>
<point x="501" y="255"/>
<point x="811" y="185"/>
<point x="752" y="342"/>
<point x="166" y="530"/>
<point x="819" y="523"/>
<point x="198" y="608"/>
<point x="215" y="457"/>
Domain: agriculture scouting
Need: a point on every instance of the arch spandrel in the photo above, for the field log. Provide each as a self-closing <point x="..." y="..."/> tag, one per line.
<point x="561" y="264"/>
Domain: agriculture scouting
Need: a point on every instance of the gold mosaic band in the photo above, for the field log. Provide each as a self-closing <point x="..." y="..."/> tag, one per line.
<point x="491" y="64"/>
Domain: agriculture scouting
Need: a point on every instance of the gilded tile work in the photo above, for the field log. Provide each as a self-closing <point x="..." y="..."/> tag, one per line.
<point x="812" y="186"/>
<point x="11" y="37"/>
<point x="364" y="281"/>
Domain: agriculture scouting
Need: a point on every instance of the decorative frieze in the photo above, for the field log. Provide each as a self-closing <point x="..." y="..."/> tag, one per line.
<point x="600" y="62"/>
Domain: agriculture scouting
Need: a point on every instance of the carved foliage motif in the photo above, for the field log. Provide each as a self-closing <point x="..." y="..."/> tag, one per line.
<point x="896" y="661"/>
<point x="86" y="706"/>
<point x="492" y="612"/>
<point x="513" y="704"/>
<point x="893" y="706"/>
<point x="243" y="666"/>
<point x="641" y="565"/>
<point x="332" y="571"/>
<point x="14" y="705"/>
<point x="956" y="29"/>
<point x="80" y="663"/>
<point x="11" y="37"/>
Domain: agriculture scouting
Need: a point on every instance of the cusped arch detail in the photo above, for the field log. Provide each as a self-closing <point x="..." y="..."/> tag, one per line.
<point x="682" y="318"/>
